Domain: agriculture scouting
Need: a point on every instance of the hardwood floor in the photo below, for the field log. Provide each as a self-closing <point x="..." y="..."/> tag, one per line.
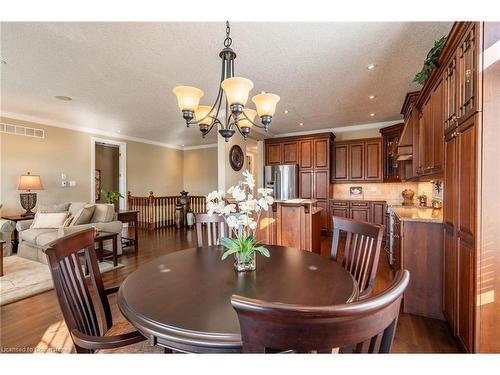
<point x="27" y="323"/>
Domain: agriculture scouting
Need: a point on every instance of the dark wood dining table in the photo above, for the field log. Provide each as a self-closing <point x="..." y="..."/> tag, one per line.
<point x="181" y="301"/>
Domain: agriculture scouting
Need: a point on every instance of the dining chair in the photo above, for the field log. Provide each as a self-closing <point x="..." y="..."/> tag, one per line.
<point x="361" y="251"/>
<point x="77" y="304"/>
<point x="366" y="326"/>
<point x="216" y="228"/>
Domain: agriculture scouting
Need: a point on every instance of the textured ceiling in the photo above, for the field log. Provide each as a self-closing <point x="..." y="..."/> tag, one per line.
<point x="120" y="75"/>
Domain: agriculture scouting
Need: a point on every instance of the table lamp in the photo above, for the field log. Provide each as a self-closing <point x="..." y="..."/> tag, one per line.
<point x="29" y="182"/>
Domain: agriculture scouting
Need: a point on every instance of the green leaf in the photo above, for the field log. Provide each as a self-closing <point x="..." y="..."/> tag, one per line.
<point x="264" y="251"/>
<point x="228" y="252"/>
<point x="228" y="242"/>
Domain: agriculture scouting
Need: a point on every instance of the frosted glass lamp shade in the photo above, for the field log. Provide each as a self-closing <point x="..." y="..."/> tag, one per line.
<point x="237" y="89"/>
<point x="29" y="182"/>
<point x="243" y="122"/>
<point x="201" y="112"/>
<point x="188" y="98"/>
<point x="266" y="104"/>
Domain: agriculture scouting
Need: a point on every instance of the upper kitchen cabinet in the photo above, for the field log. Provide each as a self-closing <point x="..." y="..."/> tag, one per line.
<point x="290" y="152"/>
<point x="431" y="132"/>
<point x="468" y="73"/>
<point x="358" y="160"/>
<point x="274" y="153"/>
<point x="390" y="141"/>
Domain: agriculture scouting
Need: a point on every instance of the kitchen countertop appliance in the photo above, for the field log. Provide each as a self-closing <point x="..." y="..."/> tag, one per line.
<point x="283" y="179"/>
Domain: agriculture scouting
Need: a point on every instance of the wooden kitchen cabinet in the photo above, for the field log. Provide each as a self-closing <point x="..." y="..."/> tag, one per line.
<point x="437" y="128"/>
<point x="450" y="93"/>
<point x="290" y="153"/>
<point x="324" y="215"/>
<point x="468" y="74"/>
<point x="390" y="140"/>
<point x="358" y="160"/>
<point x="360" y="214"/>
<point x="417" y="247"/>
<point x="431" y="132"/>
<point x="450" y="241"/>
<point x="273" y="153"/>
<point x="377" y="213"/>
<point x="321" y="153"/>
<point x="373" y="157"/>
<point x="341" y="170"/>
<point x="466" y="107"/>
<point x="306" y="179"/>
<point x="306" y="159"/>
<point x="312" y="153"/>
<point x="369" y="211"/>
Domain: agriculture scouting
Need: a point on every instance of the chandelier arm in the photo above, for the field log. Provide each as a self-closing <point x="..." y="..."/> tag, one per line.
<point x="216" y="121"/>
<point x="252" y="122"/>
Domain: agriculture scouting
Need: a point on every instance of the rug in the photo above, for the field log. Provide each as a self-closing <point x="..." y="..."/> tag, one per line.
<point x="24" y="278"/>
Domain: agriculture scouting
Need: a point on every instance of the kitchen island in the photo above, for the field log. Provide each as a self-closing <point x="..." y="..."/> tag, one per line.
<point x="293" y="223"/>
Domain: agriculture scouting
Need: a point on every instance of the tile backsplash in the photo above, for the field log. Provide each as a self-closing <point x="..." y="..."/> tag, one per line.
<point x="390" y="192"/>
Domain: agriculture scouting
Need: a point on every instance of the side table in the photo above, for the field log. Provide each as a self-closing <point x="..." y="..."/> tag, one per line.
<point x="15" y="219"/>
<point x="130" y="217"/>
<point x="102" y="236"/>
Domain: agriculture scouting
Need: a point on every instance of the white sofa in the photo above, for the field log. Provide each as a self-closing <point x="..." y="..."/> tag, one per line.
<point x="33" y="242"/>
<point x="6" y="229"/>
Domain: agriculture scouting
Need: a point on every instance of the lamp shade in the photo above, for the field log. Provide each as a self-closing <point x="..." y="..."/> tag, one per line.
<point x="29" y="182"/>
<point x="266" y="104"/>
<point x="237" y="89"/>
<point x="188" y="98"/>
<point x="201" y="112"/>
<point x="243" y="122"/>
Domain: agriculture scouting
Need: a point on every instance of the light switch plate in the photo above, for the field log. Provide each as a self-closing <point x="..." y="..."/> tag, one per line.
<point x="72" y="183"/>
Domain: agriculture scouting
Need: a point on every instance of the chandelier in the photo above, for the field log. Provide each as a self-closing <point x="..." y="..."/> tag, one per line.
<point x="234" y="92"/>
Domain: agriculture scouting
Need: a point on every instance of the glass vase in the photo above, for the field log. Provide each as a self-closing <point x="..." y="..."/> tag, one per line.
<point x="243" y="262"/>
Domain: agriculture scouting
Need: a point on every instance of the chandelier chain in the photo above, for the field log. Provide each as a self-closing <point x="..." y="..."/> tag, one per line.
<point x="228" y="41"/>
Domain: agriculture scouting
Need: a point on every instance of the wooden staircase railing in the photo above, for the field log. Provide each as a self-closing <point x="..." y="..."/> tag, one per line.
<point x="159" y="212"/>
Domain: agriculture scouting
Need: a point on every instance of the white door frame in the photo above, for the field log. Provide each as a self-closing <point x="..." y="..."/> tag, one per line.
<point x="122" y="168"/>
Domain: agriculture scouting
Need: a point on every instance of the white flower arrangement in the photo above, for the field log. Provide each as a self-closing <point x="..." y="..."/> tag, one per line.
<point x="243" y="217"/>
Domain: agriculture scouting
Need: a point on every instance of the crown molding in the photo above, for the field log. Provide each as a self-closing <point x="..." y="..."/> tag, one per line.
<point x="88" y="130"/>
<point x="211" y="145"/>
<point x="342" y="129"/>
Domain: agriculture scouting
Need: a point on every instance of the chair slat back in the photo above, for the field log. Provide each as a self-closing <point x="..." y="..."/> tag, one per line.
<point x="361" y="252"/>
<point x="71" y="287"/>
<point x="366" y="326"/>
<point x="215" y="226"/>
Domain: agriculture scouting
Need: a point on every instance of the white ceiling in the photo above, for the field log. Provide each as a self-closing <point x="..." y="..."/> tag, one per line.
<point x="120" y="75"/>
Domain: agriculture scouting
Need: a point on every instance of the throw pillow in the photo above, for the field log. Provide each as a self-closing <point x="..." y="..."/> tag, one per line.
<point x="68" y="221"/>
<point x="49" y="220"/>
<point x="46" y="208"/>
<point x="84" y="215"/>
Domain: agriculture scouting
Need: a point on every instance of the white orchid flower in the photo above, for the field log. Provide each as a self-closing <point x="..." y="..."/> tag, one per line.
<point x="232" y="222"/>
<point x="238" y="194"/>
<point x="264" y="191"/>
<point x="249" y="179"/>
<point x="226" y="210"/>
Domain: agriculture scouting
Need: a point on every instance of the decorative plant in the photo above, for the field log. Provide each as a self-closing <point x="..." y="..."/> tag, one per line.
<point x="242" y="222"/>
<point x="422" y="197"/>
<point x="430" y="61"/>
<point x="111" y="196"/>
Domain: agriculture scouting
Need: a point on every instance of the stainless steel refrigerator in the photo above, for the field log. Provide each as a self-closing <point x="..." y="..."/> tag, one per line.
<point x="283" y="179"/>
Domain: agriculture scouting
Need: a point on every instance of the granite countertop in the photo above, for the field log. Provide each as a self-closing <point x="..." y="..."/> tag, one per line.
<point x="296" y="201"/>
<point x="419" y="214"/>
